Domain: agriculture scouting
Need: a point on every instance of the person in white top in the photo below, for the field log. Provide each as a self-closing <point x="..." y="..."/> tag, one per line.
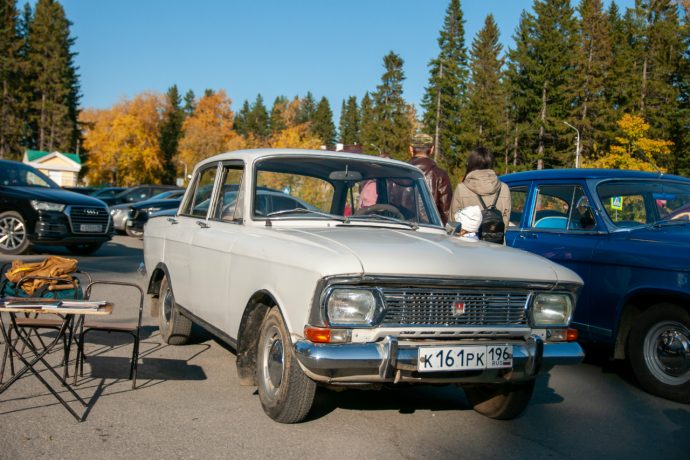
<point x="470" y="219"/>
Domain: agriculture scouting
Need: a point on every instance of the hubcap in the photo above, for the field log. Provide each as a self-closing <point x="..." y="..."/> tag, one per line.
<point x="273" y="362"/>
<point x="667" y="352"/>
<point x="167" y="305"/>
<point x="12" y="233"/>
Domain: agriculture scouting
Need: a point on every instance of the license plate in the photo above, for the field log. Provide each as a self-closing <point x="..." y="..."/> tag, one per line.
<point x="464" y="357"/>
<point x="90" y="228"/>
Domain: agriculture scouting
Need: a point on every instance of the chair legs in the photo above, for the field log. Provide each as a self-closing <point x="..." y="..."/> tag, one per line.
<point x="81" y="356"/>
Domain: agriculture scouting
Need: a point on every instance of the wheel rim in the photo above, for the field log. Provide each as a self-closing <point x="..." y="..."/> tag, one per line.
<point x="273" y="361"/>
<point x="12" y="233"/>
<point x="167" y="305"/>
<point x="667" y="352"/>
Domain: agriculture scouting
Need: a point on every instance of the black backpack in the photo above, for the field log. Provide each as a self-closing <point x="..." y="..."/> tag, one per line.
<point x="492" y="228"/>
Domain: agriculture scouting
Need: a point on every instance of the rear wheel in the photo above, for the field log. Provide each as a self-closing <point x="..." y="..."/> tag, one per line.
<point x="659" y="349"/>
<point x="500" y="401"/>
<point x="14" y="238"/>
<point x="134" y="232"/>
<point x="286" y="393"/>
<point x="84" y="249"/>
<point x="174" y="327"/>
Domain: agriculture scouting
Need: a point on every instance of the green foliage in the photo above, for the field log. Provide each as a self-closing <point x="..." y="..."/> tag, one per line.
<point x="172" y="118"/>
<point x="350" y="122"/>
<point x="322" y="124"/>
<point x="277" y="120"/>
<point x="445" y="94"/>
<point x="307" y="107"/>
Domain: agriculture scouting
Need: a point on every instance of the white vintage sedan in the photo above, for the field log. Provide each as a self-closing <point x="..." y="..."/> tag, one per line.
<point x="324" y="268"/>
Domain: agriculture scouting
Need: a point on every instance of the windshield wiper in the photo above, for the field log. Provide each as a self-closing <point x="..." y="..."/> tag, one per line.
<point x="412" y="225"/>
<point x="284" y="212"/>
<point x="669" y="223"/>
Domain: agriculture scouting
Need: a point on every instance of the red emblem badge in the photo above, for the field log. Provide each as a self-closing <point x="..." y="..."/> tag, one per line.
<point x="458" y="308"/>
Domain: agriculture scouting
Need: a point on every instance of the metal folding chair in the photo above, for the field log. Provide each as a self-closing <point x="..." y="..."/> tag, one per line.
<point x="131" y="328"/>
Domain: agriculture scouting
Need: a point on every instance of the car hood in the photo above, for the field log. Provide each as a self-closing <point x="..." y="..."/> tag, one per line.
<point x="55" y="195"/>
<point x="385" y="251"/>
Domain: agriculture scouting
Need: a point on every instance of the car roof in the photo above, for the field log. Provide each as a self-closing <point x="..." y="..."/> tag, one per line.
<point x="586" y="173"/>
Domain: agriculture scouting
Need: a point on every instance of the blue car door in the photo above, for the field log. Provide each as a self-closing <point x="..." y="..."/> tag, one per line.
<point x="558" y="223"/>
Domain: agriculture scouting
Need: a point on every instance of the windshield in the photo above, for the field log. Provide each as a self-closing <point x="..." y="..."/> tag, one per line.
<point x="17" y="174"/>
<point x="633" y="203"/>
<point x="348" y="189"/>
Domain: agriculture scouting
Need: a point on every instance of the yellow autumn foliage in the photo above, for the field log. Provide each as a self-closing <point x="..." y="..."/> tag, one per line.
<point x="123" y="142"/>
<point x="634" y="151"/>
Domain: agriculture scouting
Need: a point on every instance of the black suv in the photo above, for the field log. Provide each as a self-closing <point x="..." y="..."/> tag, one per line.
<point x="35" y="210"/>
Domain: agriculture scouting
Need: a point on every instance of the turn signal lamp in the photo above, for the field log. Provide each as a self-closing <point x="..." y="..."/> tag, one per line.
<point x="326" y="335"/>
<point x="571" y="335"/>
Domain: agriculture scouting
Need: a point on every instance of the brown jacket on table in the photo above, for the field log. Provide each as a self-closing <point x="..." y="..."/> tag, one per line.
<point x="482" y="182"/>
<point x="439" y="184"/>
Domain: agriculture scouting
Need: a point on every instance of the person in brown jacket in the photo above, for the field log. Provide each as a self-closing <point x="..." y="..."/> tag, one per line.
<point x="480" y="179"/>
<point x="437" y="179"/>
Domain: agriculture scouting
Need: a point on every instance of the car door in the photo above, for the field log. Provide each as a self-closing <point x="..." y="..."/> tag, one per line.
<point x="179" y="236"/>
<point x="212" y="245"/>
<point x="559" y="224"/>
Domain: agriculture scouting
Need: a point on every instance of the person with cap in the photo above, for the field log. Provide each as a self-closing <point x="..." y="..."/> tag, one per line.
<point x="470" y="218"/>
<point x="421" y="149"/>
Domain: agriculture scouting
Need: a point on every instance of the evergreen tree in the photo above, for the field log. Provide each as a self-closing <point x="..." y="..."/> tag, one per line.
<point x="445" y="95"/>
<point x="367" y="130"/>
<point x="393" y="127"/>
<point x="680" y="134"/>
<point x="322" y="124"/>
<point x="593" y="114"/>
<point x="54" y="80"/>
<point x="349" y="122"/>
<point x="486" y="102"/>
<point x="170" y="133"/>
<point x="307" y="107"/>
<point x="241" y="119"/>
<point x="277" y="121"/>
<point x="257" y="120"/>
<point x="189" y="103"/>
<point x="12" y="90"/>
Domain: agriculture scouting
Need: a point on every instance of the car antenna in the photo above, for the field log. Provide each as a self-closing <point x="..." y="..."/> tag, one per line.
<point x="650" y="161"/>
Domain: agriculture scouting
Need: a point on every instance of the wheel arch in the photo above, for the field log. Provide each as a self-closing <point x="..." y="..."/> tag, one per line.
<point x="248" y="335"/>
<point x="636" y="303"/>
<point x="154" y="285"/>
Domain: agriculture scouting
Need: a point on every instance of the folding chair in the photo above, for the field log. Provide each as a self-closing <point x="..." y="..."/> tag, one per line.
<point x="33" y="322"/>
<point x="131" y="328"/>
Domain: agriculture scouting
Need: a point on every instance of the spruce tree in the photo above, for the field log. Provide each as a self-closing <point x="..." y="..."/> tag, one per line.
<point x="307" y="107"/>
<point x="170" y="133"/>
<point x="322" y="124"/>
<point x="54" y="80"/>
<point x="445" y="95"/>
<point x="391" y="112"/>
<point x="241" y="119"/>
<point x="189" y="103"/>
<point x="484" y="119"/>
<point x="277" y="119"/>
<point x="680" y="132"/>
<point x="257" y="121"/>
<point x="349" y="122"/>
<point x="12" y="88"/>
<point x="367" y="127"/>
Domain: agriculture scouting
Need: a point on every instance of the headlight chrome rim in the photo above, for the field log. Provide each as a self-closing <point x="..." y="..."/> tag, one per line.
<point x="372" y="317"/>
<point x="539" y="315"/>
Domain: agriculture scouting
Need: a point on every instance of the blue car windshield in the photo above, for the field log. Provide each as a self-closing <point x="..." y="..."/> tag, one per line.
<point x="633" y="203"/>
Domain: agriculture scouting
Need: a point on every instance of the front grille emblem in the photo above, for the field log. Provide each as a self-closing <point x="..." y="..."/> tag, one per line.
<point x="91" y="212"/>
<point x="458" y="308"/>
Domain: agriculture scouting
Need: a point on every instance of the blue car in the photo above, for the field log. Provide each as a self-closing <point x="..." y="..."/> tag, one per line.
<point x="627" y="234"/>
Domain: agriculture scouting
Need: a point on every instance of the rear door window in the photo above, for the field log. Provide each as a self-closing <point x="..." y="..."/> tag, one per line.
<point x="562" y="207"/>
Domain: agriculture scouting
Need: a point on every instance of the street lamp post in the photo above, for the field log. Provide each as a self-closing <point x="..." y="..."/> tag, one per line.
<point x="577" y="144"/>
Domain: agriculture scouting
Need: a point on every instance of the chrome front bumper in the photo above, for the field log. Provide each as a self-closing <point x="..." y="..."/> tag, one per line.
<point x="393" y="360"/>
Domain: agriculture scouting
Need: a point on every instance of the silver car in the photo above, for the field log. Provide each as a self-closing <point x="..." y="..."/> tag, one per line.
<point x="120" y="212"/>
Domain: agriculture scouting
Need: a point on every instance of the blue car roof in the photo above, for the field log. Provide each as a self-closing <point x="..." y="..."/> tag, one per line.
<point x="586" y="173"/>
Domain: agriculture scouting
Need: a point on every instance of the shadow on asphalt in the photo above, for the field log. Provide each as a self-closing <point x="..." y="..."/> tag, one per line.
<point x="600" y="356"/>
<point x="116" y="367"/>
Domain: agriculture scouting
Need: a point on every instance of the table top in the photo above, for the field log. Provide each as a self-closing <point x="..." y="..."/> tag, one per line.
<point x="50" y="306"/>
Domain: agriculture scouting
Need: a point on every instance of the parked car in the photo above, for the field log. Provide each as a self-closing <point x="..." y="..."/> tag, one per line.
<point x="107" y="192"/>
<point x="120" y="213"/>
<point x="341" y="294"/>
<point x="138" y="193"/>
<point x="82" y="190"/>
<point x="35" y="210"/>
<point x="139" y="213"/>
<point x="627" y="234"/>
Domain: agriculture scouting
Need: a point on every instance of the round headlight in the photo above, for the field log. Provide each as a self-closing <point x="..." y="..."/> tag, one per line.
<point x="351" y="307"/>
<point x="551" y="310"/>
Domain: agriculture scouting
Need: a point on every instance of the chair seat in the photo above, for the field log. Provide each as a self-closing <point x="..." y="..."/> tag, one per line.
<point x="39" y="323"/>
<point x="106" y="326"/>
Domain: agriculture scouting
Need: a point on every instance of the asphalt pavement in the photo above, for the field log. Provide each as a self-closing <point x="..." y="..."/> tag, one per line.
<point x="189" y="404"/>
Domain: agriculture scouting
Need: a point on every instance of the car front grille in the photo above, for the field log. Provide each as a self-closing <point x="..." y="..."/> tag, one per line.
<point x="82" y="218"/>
<point x="454" y="307"/>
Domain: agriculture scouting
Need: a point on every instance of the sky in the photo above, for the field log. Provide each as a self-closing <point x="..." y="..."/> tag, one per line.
<point x="331" y="48"/>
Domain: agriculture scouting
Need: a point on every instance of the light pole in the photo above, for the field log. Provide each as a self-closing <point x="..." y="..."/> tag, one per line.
<point x="577" y="144"/>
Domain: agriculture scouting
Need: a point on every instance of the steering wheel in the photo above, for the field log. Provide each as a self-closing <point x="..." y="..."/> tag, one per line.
<point x="381" y="209"/>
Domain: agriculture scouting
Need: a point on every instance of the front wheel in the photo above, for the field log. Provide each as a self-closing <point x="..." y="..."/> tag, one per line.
<point x="286" y="393"/>
<point x="500" y="401"/>
<point x="14" y="238"/>
<point x="174" y="327"/>
<point x="659" y="349"/>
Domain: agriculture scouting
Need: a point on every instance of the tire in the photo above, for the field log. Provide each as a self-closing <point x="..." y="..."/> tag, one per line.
<point x="174" y="328"/>
<point x="659" y="350"/>
<point x="84" y="249"/>
<point x="286" y="393"/>
<point x="14" y="238"/>
<point x="500" y="401"/>
<point x="134" y="233"/>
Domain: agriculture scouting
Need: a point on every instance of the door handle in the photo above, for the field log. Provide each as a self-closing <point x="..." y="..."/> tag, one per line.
<point x="202" y="224"/>
<point x="172" y="220"/>
<point x="524" y="236"/>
